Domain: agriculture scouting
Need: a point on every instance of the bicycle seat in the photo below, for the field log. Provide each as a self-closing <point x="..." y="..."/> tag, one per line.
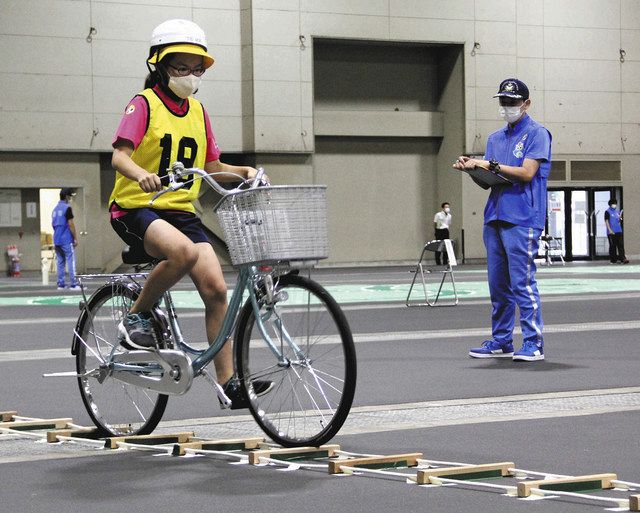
<point x="133" y="255"/>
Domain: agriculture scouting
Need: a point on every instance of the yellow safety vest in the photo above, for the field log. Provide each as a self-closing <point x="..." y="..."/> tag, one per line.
<point x="169" y="138"/>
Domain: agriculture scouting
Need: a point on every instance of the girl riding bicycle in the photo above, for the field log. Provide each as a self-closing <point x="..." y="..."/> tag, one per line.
<point x="163" y="124"/>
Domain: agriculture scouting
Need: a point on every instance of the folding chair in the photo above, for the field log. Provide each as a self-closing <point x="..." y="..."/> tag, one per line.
<point x="551" y="247"/>
<point x="433" y="246"/>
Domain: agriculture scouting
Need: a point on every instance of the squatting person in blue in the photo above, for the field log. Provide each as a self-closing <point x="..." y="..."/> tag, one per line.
<point x="514" y="218"/>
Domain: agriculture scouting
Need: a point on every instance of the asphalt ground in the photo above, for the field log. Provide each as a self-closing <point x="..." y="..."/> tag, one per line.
<point x="575" y="413"/>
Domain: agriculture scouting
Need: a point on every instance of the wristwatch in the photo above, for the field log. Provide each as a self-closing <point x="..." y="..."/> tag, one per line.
<point x="494" y="165"/>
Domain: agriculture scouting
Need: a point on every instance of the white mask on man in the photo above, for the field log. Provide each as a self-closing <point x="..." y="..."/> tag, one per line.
<point x="447" y="210"/>
<point x="509" y="114"/>
<point x="183" y="87"/>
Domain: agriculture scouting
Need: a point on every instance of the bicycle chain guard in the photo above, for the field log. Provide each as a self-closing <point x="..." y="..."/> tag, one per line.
<point x="175" y="378"/>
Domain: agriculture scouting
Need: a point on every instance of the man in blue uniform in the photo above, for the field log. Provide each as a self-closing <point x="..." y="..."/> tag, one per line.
<point x="65" y="239"/>
<point x="613" y="221"/>
<point x="514" y="218"/>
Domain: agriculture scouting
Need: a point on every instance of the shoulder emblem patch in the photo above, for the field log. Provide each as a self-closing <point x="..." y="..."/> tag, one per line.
<point x="130" y="109"/>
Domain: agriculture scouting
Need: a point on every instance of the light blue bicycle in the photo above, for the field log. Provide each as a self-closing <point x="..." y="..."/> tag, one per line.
<point x="288" y="330"/>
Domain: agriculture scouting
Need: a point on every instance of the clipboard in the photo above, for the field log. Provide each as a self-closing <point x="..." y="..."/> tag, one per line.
<point x="487" y="177"/>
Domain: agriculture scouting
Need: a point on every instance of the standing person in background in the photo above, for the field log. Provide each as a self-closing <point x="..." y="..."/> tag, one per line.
<point x="441" y="224"/>
<point x="65" y="239"/>
<point x="613" y="220"/>
<point x="514" y="218"/>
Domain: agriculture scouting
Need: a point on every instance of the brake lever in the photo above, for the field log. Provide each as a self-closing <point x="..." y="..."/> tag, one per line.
<point x="173" y="186"/>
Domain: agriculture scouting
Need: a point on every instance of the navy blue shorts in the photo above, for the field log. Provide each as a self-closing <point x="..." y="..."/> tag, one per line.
<point x="132" y="226"/>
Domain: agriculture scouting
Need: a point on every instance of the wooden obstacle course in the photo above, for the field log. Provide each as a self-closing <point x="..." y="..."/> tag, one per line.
<point x="232" y="444"/>
<point x="80" y="432"/>
<point x="294" y="453"/>
<point x="7" y="416"/>
<point x="255" y="450"/>
<point x="467" y="472"/>
<point x="569" y="484"/>
<point x="153" y="439"/>
<point x="376" y="462"/>
<point x="36" y="424"/>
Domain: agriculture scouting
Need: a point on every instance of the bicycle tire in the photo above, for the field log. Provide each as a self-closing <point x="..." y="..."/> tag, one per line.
<point x="115" y="407"/>
<point x="311" y="396"/>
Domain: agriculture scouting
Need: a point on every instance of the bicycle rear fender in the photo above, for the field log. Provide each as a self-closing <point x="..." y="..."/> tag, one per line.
<point x="85" y="307"/>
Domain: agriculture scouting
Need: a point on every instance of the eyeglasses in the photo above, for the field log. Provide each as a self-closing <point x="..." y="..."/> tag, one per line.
<point x="183" y="71"/>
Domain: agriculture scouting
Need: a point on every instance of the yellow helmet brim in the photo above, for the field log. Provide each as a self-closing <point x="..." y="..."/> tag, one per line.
<point x="182" y="48"/>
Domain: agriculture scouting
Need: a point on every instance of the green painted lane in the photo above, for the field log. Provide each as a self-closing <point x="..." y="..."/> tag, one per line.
<point x="363" y="293"/>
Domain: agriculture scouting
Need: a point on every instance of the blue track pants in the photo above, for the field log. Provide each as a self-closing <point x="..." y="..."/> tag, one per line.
<point x="510" y="253"/>
<point x="66" y="256"/>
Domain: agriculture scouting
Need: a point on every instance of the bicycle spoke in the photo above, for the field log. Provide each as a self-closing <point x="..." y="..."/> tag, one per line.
<point x="116" y="407"/>
<point x="314" y="383"/>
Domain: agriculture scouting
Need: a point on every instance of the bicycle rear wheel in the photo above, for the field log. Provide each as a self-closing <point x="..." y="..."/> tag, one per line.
<point x="115" y="407"/>
<point x="313" y="387"/>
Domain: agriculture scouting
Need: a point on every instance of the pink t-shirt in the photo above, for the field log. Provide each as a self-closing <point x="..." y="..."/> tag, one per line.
<point x="133" y="124"/>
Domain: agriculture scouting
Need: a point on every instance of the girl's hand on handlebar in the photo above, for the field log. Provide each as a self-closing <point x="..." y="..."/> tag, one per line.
<point x="150" y="183"/>
<point x="264" y="178"/>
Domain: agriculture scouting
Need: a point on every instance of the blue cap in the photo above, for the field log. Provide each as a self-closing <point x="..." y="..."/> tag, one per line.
<point x="66" y="192"/>
<point x="513" y="88"/>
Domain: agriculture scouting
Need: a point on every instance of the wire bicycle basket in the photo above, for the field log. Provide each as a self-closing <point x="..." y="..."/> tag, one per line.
<point x="275" y="224"/>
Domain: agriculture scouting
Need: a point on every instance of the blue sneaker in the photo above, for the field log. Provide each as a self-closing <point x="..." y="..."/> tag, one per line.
<point x="492" y="349"/>
<point x="530" y="352"/>
<point x="136" y="331"/>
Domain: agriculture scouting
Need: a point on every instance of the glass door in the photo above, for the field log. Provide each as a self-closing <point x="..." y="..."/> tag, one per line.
<point x="576" y="218"/>
<point x="601" y="204"/>
<point x="556" y="218"/>
<point x="580" y="214"/>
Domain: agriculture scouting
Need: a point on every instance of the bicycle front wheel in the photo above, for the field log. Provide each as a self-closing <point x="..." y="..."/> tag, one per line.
<point x="115" y="407"/>
<point x="312" y="362"/>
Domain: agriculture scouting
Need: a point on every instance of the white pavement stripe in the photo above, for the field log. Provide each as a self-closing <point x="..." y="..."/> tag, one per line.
<point x="47" y="354"/>
<point x="380" y="418"/>
<point x="354" y="307"/>
<point x="395" y="336"/>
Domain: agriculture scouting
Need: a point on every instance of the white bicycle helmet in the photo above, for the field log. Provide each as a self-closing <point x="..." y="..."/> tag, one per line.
<point x="178" y="36"/>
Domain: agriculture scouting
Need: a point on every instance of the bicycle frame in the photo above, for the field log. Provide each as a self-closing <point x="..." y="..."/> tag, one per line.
<point x="202" y="358"/>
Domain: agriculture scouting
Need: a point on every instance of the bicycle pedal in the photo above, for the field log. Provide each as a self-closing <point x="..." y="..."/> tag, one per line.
<point x="225" y="402"/>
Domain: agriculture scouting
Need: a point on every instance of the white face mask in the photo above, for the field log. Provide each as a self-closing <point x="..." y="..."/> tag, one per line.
<point x="510" y="114"/>
<point x="447" y="210"/>
<point x="183" y="87"/>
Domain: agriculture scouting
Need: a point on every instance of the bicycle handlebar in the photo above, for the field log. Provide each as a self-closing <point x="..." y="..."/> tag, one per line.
<point x="177" y="170"/>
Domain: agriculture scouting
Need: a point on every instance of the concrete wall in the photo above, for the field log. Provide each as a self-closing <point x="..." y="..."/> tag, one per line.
<point x="70" y="66"/>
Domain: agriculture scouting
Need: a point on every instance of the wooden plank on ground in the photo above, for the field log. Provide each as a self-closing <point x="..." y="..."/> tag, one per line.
<point x="634" y="502"/>
<point x="34" y="425"/>
<point x="154" y="439"/>
<point x="377" y="462"/>
<point x="231" y="444"/>
<point x="569" y="484"/>
<point x="294" y="453"/>
<point x="6" y="416"/>
<point x="483" y="471"/>
<point x="87" y="432"/>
